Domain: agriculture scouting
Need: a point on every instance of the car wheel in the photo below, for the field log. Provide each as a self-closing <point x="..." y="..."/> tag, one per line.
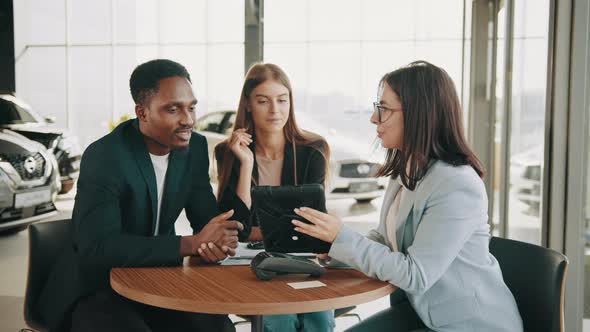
<point x="12" y="231"/>
<point x="364" y="200"/>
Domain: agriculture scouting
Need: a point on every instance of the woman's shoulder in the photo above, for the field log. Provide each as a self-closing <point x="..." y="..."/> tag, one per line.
<point x="315" y="142"/>
<point x="444" y="175"/>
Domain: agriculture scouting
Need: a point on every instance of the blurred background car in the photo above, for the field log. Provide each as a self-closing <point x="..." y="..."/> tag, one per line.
<point x="29" y="181"/>
<point x="17" y="116"/>
<point x="525" y="179"/>
<point x="351" y="175"/>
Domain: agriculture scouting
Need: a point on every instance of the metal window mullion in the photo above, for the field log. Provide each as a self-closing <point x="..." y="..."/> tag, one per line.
<point x="69" y="119"/>
<point x="479" y="116"/>
<point x="253" y="32"/>
<point x="576" y="163"/>
<point x="507" y="117"/>
<point x="555" y="157"/>
<point x="492" y="114"/>
<point x="113" y="61"/>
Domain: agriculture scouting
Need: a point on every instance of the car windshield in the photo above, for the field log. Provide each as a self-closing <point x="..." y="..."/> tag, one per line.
<point x="11" y="113"/>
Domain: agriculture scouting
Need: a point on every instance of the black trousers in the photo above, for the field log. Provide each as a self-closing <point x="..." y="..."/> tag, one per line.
<point x="400" y="317"/>
<point x="109" y="311"/>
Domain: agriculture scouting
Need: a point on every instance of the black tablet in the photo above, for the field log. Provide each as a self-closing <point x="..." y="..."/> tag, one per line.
<point x="274" y="207"/>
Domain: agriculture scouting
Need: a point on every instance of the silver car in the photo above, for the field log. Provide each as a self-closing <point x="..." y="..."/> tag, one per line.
<point x="350" y="176"/>
<point x="29" y="181"/>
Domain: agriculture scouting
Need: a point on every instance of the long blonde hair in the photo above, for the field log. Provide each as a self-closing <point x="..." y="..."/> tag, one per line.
<point x="256" y="75"/>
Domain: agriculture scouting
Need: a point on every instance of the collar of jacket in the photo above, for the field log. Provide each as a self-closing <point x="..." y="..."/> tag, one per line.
<point x="176" y="163"/>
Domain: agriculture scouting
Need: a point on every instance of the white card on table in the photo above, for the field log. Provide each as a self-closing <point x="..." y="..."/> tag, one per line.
<point x="306" y="284"/>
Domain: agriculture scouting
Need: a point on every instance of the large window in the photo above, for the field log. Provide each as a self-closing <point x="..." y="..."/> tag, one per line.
<point x="74" y="59"/>
<point x="341" y="49"/>
<point x="520" y="118"/>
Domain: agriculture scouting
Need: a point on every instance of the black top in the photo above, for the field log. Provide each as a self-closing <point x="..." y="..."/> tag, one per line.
<point x="311" y="168"/>
<point x="115" y="213"/>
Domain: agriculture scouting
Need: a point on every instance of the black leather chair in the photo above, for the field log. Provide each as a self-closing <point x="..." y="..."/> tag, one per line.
<point x="46" y="241"/>
<point x="536" y="277"/>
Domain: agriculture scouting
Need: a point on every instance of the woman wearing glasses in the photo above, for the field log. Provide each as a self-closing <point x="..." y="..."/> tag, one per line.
<point x="268" y="148"/>
<point x="432" y="239"/>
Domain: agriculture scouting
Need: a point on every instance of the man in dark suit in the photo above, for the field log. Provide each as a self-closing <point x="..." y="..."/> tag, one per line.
<point x="133" y="184"/>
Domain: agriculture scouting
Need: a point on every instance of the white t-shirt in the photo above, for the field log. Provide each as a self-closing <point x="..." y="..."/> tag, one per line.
<point x="160" y="164"/>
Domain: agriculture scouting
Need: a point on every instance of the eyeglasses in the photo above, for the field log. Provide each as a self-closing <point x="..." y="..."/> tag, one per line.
<point x="384" y="113"/>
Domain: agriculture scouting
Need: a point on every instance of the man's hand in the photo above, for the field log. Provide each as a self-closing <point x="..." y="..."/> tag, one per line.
<point x="210" y="253"/>
<point x="220" y="231"/>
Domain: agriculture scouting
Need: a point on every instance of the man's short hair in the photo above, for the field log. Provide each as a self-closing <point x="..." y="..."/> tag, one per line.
<point x="145" y="79"/>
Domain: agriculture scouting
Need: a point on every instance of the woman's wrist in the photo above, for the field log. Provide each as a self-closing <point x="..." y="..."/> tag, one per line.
<point x="246" y="165"/>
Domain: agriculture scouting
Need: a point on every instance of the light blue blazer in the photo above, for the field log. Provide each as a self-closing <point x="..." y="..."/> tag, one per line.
<point x="444" y="264"/>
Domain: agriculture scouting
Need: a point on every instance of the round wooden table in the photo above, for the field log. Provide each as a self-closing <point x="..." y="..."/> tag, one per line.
<point x="216" y="289"/>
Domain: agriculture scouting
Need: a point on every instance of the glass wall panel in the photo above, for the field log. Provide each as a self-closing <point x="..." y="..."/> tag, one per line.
<point x="90" y="100"/>
<point x="41" y="81"/>
<point x="324" y="25"/>
<point x="527" y="119"/>
<point x="44" y="21"/>
<point x="336" y="61"/>
<point x="108" y="39"/>
<point x="225" y="75"/>
<point x="89" y="22"/>
<point x="183" y="21"/>
<point x="136" y="22"/>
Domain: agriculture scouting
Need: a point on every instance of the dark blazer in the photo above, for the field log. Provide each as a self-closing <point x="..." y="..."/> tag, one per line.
<point x="311" y="168"/>
<point x="114" y="215"/>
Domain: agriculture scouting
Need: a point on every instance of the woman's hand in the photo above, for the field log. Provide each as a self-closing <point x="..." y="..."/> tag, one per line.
<point x="324" y="226"/>
<point x="238" y="143"/>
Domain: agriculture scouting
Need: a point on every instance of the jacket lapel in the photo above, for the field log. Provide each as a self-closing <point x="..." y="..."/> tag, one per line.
<point x="145" y="166"/>
<point x="405" y="207"/>
<point x="255" y="168"/>
<point x="392" y="189"/>
<point x="174" y="174"/>
<point x="287" y="177"/>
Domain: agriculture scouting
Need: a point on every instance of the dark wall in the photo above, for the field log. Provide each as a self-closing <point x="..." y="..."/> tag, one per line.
<point x="6" y="47"/>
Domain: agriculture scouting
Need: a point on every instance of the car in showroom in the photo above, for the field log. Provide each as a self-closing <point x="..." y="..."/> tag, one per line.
<point x="17" y="116"/>
<point x="351" y="175"/>
<point x="29" y="181"/>
<point x="526" y="178"/>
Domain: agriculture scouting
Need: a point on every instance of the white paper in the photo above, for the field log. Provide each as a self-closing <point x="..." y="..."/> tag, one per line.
<point x="306" y="284"/>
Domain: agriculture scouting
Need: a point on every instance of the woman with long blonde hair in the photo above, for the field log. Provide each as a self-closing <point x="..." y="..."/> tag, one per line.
<point x="267" y="147"/>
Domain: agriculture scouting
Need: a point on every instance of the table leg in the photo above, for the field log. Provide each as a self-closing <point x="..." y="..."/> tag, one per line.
<point x="257" y="325"/>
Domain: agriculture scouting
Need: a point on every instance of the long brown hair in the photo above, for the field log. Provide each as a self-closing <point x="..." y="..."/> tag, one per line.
<point x="256" y="75"/>
<point x="433" y="126"/>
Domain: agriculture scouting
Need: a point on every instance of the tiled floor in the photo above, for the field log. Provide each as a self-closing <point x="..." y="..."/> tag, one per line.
<point x="14" y="256"/>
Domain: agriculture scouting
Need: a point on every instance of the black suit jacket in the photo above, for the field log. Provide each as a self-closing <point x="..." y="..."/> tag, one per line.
<point x="114" y="215"/>
<point x="311" y="168"/>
